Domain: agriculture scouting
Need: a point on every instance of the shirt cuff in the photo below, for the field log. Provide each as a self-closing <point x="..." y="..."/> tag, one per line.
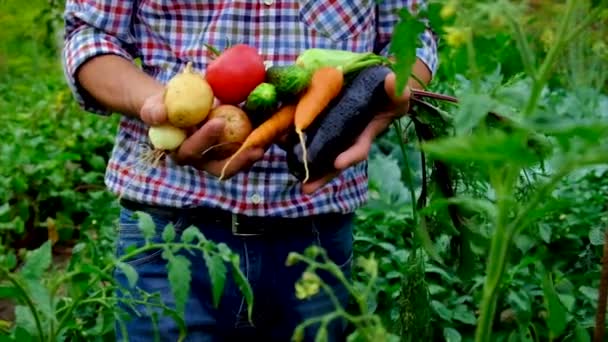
<point x="82" y="45"/>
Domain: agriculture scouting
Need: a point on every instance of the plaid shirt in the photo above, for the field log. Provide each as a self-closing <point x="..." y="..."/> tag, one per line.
<point x="167" y="34"/>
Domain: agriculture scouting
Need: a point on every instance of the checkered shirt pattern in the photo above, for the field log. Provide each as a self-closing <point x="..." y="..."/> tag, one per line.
<point x="165" y="35"/>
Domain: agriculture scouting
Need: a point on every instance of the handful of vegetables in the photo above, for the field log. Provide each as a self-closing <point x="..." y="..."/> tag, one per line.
<point x="323" y="102"/>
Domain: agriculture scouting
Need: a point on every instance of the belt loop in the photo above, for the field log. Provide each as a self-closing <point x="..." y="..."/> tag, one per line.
<point x="234" y="222"/>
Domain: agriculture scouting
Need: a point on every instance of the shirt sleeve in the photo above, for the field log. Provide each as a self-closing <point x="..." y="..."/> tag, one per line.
<point x="388" y="16"/>
<point x="94" y="28"/>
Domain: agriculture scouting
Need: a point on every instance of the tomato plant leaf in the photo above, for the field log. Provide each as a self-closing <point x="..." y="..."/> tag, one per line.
<point x="495" y="148"/>
<point x="179" y="277"/>
<point x="191" y="233"/>
<point x="405" y="40"/>
<point x="169" y="233"/>
<point x="243" y="284"/>
<point x="146" y="225"/>
<point x="217" y="272"/>
<point x="37" y="261"/>
<point x="473" y="108"/>
<point x="129" y="272"/>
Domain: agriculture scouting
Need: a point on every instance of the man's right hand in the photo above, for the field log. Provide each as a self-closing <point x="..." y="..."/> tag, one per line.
<point x="191" y="152"/>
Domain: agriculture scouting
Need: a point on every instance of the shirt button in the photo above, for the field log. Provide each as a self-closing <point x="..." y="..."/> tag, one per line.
<point x="256" y="199"/>
<point x="268" y="2"/>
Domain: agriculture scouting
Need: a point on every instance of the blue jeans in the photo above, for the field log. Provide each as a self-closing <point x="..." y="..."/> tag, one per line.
<point x="276" y="310"/>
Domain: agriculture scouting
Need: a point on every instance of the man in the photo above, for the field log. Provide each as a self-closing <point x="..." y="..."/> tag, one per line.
<point x="102" y="40"/>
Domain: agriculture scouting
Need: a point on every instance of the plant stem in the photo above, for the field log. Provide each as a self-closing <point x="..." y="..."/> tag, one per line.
<point x="28" y="300"/>
<point x="498" y="255"/>
<point x="588" y="20"/>
<point x="472" y="59"/>
<point x="545" y="69"/>
<point x="600" y="317"/>
<point x="331" y="268"/>
<point x="408" y="172"/>
<point x="524" y="47"/>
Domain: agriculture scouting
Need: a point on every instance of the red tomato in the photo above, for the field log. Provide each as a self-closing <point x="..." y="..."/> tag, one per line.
<point x="235" y="73"/>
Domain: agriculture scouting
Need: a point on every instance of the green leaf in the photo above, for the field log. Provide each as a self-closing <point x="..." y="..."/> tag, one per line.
<point x="215" y="52"/>
<point x="495" y="148"/>
<point x="463" y="314"/>
<point x="9" y="261"/>
<point x="37" y="261"/>
<point x="243" y="284"/>
<point x="451" y="335"/>
<point x="224" y="251"/>
<point x="146" y="225"/>
<point x="179" y="279"/>
<point x="556" y="312"/>
<point x="567" y="300"/>
<point x="41" y="297"/>
<point x="581" y="334"/>
<point x="22" y="335"/>
<point x="217" y="272"/>
<point x="129" y="272"/>
<point x="25" y="319"/>
<point x="441" y="310"/>
<point x="191" y="233"/>
<point x="590" y="292"/>
<point x="545" y="231"/>
<point x="521" y="303"/>
<point x="385" y="182"/>
<point x="8" y="292"/>
<point x="473" y="108"/>
<point x="403" y="46"/>
<point x="596" y="236"/>
<point x="4" y="210"/>
<point x="169" y="233"/>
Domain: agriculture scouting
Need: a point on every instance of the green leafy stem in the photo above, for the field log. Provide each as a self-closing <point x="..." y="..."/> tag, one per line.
<point x="365" y="321"/>
<point x="65" y="313"/>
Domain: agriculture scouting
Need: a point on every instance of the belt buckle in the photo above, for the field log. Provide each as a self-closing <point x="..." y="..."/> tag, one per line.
<point x="234" y="225"/>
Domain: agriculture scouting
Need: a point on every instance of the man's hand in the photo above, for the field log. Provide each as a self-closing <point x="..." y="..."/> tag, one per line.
<point x="192" y="151"/>
<point x="359" y="151"/>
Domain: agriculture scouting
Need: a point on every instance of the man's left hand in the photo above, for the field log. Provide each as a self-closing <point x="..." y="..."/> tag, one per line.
<point x="359" y="151"/>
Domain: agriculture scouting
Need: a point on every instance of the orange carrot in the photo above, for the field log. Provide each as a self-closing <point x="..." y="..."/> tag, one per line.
<point x="325" y="85"/>
<point x="266" y="133"/>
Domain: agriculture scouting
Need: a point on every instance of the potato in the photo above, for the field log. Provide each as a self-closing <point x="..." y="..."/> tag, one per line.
<point x="237" y="128"/>
<point x="166" y="137"/>
<point x="188" y="98"/>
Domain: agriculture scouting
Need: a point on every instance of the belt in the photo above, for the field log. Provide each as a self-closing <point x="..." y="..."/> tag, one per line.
<point x="240" y="225"/>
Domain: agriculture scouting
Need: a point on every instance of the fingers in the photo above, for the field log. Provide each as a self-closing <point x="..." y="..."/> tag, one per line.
<point x="242" y="161"/>
<point x="153" y="111"/>
<point x="310" y="187"/>
<point x="359" y="151"/>
<point x="192" y="148"/>
<point x="400" y="101"/>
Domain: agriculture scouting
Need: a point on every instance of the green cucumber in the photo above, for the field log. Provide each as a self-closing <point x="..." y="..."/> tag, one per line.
<point x="289" y="80"/>
<point x="261" y="103"/>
